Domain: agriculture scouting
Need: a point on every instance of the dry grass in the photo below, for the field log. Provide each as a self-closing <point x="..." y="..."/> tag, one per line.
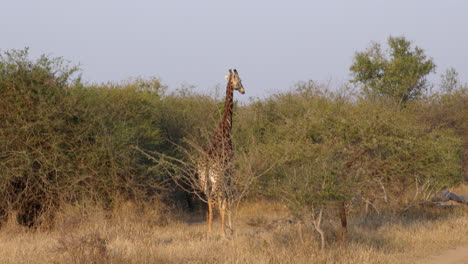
<point x="133" y="234"/>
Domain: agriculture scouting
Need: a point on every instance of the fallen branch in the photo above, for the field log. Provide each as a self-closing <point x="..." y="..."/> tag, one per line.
<point x="449" y="196"/>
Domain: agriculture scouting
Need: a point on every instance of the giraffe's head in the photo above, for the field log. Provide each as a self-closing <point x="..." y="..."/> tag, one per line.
<point x="236" y="82"/>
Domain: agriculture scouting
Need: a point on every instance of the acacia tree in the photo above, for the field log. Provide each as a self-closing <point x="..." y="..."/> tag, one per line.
<point x="400" y="73"/>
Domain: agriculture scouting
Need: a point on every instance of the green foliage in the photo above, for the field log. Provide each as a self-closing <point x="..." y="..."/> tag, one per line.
<point x="61" y="141"/>
<point x="32" y="105"/>
<point x="400" y="74"/>
<point x="187" y="116"/>
<point x="107" y="122"/>
<point x="448" y="112"/>
<point x="335" y="149"/>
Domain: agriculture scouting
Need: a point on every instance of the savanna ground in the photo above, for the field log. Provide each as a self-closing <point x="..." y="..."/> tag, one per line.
<point x="264" y="234"/>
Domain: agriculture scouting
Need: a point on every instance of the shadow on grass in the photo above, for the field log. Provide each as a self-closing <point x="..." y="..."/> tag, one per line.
<point x="375" y="231"/>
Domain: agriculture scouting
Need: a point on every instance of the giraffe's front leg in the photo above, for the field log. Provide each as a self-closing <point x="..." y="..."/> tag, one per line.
<point x="209" y="215"/>
<point x="222" y="214"/>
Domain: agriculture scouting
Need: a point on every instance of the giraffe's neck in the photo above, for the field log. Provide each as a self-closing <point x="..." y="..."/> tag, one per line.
<point x="225" y="126"/>
<point x="222" y="142"/>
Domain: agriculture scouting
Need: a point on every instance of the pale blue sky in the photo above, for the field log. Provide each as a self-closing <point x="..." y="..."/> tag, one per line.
<point x="273" y="44"/>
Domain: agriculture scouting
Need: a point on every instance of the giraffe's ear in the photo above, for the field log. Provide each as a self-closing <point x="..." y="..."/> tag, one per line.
<point x="226" y="77"/>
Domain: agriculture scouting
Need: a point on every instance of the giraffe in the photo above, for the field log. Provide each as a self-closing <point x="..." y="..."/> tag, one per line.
<point x="215" y="168"/>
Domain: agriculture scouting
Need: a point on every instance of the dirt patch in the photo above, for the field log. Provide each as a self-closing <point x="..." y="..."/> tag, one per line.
<point x="458" y="255"/>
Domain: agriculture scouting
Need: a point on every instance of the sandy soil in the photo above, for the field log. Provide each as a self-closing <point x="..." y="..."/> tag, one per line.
<point x="458" y="255"/>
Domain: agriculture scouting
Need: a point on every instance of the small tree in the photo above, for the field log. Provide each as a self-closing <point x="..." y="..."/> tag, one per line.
<point x="400" y="74"/>
<point x="450" y="81"/>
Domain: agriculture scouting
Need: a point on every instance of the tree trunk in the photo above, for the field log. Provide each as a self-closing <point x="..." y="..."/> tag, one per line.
<point x="344" y="223"/>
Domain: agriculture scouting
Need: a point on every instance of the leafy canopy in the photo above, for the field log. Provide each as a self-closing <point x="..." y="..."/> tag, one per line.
<point x="400" y="73"/>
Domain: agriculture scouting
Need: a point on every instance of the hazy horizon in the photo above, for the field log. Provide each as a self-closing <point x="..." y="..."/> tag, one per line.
<point x="272" y="44"/>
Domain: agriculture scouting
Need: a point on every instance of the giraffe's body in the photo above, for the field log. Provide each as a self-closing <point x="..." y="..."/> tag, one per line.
<point x="215" y="169"/>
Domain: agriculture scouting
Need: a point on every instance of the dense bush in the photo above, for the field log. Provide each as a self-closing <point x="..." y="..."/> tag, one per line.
<point x="63" y="141"/>
<point x="337" y="149"/>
